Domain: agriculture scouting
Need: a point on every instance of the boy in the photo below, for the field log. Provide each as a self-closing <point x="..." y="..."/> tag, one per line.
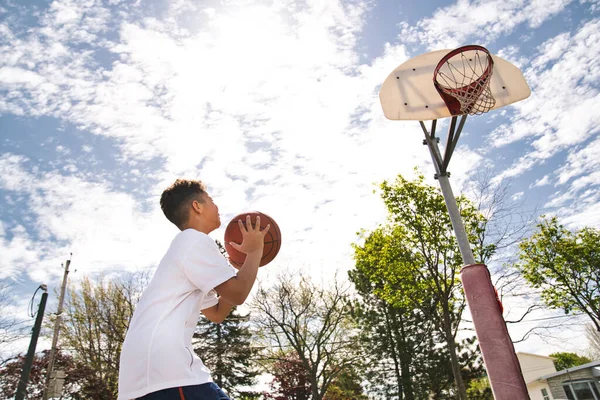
<point x="157" y="359"/>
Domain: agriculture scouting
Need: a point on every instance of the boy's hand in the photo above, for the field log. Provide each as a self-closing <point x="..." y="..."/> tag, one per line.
<point x="236" y="289"/>
<point x="253" y="239"/>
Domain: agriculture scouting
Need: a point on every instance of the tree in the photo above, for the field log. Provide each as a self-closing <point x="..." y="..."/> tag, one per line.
<point x="479" y="389"/>
<point x="427" y="255"/>
<point x="346" y="386"/>
<point x="593" y="337"/>
<point x="95" y="321"/>
<point x="313" y="322"/>
<point x="81" y="383"/>
<point x="290" y="378"/>
<point x="564" y="360"/>
<point x="396" y="335"/>
<point x="226" y="349"/>
<point x="506" y="223"/>
<point x="10" y="327"/>
<point x="390" y="339"/>
<point x="564" y="265"/>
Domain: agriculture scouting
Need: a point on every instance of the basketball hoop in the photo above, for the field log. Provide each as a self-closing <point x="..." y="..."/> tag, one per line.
<point x="462" y="78"/>
<point x="463" y="84"/>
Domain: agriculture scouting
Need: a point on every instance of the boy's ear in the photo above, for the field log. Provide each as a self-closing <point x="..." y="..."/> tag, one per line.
<point x="197" y="206"/>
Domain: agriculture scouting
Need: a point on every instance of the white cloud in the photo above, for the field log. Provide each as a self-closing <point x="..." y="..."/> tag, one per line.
<point x="559" y="112"/>
<point x="103" y="228"/>
<point x="14" y="76"/>
<point x="585" y="214"/>
<point x="580" y="179"/>
<point x="545" y="180"/>
<point x="594" y="4"/>
<point x="580" y="161"/>
<point x="512" y="54"/>
<point x="559" y="199"/>
<point x="258" y="101"/>
<point x="479" y="21"/>
<point x="19" y="253"/>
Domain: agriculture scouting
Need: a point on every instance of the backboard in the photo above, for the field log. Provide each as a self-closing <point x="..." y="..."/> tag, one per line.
<point x="409" y="93"/>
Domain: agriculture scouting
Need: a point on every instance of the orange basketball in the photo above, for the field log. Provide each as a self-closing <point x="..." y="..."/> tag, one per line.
<point x="233" y="234"/>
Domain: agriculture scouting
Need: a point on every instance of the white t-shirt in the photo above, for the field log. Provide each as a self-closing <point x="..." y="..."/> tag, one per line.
<point x="157" y="353"/>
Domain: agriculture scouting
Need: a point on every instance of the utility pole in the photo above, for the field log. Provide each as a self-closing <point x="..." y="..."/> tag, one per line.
<point x="56" y="331"/>
<point x="21" y="389"/>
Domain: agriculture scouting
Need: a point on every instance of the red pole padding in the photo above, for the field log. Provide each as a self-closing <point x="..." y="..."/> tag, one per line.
<point x="502" y="365"/>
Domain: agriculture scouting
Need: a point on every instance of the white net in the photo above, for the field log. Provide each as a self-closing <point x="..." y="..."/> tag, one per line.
<point x="466" y="77"/>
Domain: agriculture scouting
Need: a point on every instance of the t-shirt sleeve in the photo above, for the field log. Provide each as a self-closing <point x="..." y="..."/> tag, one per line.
<point x="205" y="266"/>
<point x="211" y="299"/>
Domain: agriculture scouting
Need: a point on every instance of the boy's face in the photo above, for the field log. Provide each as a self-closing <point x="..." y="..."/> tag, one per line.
<point x="211" y="212"/>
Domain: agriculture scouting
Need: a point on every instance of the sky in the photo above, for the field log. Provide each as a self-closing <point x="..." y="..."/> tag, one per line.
<point x="274" y="105"/>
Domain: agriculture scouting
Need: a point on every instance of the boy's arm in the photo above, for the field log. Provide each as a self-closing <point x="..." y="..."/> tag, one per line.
<point x="237" y="289"/>
<point x="218" y="312"/>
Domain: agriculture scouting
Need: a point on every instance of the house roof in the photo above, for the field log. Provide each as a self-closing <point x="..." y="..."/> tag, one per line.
<point x="564" y="371"/>
<point x="534" y="355"/>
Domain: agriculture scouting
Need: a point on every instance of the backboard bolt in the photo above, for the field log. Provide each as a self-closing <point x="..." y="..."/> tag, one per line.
<point x="424" y="142"/>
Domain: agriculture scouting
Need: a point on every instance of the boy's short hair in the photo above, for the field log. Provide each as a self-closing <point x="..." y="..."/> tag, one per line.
<point x="175" y="200"/>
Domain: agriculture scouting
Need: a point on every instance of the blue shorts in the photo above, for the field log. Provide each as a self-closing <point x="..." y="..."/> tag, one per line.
<point x="206" y="391"/>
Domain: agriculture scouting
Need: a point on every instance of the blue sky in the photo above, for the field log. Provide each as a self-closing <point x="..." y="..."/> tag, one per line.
<point x="274" y="105"/>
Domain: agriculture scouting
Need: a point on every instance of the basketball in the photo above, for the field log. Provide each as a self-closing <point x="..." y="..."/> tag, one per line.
<point x="233" y="234"/>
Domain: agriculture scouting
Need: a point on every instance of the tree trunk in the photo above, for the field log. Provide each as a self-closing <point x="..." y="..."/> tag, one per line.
<point x="313" y="375"/>
<point x="460" y="384"/>
<point x="315" y="388"/>
<point x="405" y="362"/>
<point x="390" y="332"/>
<point x="405" y="388"/>
<point x="218" y="377"/>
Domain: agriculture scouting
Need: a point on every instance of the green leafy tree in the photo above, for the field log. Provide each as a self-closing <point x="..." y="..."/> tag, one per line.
<point x="395" y="336"/>
<point x="422" y="258"/>
<point x="565" y="266"/>
<point x="390" y="339"/>
<point x="564" y="360"/>
<point x="226" y="349"/>
<point x="479" y="389"/>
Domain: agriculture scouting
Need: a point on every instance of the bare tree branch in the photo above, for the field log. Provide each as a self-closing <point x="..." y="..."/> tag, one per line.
<point x="312" y="321"/>
<point x="11" y="328"/>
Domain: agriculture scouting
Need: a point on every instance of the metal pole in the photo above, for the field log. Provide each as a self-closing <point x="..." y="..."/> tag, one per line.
<point x="501" y="362"/>
<point x="21" y="389"/>
<point x="56" y="330"/>
<point x="457" y="224"/>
